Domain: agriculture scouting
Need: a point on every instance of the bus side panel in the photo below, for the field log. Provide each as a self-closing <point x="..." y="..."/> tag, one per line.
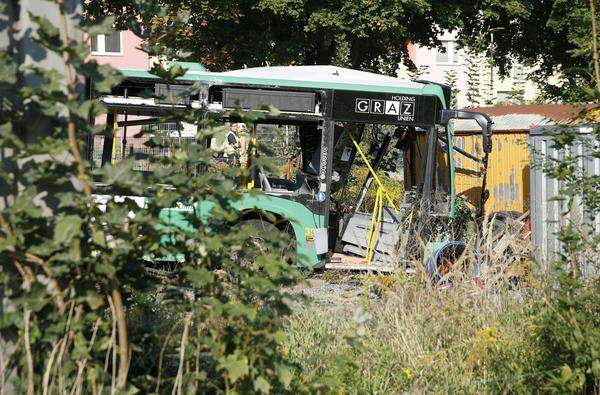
<point x="303" y="221"/>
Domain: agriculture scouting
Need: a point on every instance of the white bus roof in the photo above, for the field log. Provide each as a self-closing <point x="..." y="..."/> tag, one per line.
<point x="318" y="77"/>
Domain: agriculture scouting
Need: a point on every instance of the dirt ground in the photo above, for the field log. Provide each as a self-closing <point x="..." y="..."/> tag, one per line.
<point x="330" y="289"/>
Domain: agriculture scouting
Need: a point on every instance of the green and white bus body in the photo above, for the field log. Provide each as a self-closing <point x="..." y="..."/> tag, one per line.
<point x="315" y="100"/>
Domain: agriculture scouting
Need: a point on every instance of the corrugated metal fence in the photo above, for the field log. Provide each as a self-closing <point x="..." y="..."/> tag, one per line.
<point x="548" y="214"/>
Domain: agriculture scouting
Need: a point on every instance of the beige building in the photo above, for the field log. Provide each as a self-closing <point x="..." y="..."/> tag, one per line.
<point x="469" y="74"/>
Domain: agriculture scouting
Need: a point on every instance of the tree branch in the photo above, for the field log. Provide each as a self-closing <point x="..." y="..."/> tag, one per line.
<point x="71" y="96"/>
<point x="30" y="382"/>
<point x="122" y="334"/>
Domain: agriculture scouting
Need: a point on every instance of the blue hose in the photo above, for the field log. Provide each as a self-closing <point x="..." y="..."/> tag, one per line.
<point x="432" y="265"/>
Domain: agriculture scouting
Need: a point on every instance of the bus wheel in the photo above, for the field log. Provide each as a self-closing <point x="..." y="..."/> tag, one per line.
<point x="287" y="250"/>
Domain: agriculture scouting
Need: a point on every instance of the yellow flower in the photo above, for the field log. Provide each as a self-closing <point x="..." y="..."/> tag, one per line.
<point x="488" y="334"/>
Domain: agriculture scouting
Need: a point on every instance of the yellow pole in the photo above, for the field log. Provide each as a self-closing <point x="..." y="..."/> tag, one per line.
<point x="252" y="154"/>
<point x="372" y="229"/>
<point x="364" y="158"/>
<point x="113" y="159"/>
<point x="377" y="215"/>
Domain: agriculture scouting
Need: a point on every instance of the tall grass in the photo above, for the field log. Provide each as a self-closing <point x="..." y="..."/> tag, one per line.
<point x="421" y="339"/>
<point x="407" y="334"/>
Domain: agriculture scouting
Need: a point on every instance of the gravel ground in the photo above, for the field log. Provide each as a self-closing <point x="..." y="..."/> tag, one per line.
<point x="333" y="289"/>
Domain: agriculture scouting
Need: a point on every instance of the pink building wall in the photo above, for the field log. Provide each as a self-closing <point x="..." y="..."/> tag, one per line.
<point x="436" y="72"/>
<point x="131" y="56"/>
<point x="412" y="52"/>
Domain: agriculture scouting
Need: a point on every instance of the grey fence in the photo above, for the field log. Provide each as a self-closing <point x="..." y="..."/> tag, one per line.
<point x="548" y="214"/>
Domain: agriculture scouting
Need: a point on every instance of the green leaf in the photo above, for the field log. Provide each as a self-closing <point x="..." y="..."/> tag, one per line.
<point x="120" y="173"/>
<point x="237" y="309"/>
<point x="8" y="138"/>
<point x="105" y="76"/>
<point x="44" y="249"/>
<point x="200" y="277"/>
<point x="285" y="375"/>
<point x="6" y="244"/>
<point x="45" y="26"/>
<point x="105" y="268"/>
<point x="94" y="300"/>
<point x="67" y="228"/>
<point x="25" y="203"/>
<point x="8" y="69"/>
<point x="262" y="385"/>
<point x="36" y="299"/>
<point x="98" y="237"/>
<point x="80" y="349"/>
<point x="99" y="26"/>
<point x="75" y="250"/>
<point x="235" y="365"/>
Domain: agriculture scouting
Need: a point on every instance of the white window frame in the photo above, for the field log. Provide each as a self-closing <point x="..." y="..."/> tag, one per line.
<point x="452" y="52"/>
<point x="502" y="96"/>
<point x="101" y="40"/>
<point x="518" y="77"/>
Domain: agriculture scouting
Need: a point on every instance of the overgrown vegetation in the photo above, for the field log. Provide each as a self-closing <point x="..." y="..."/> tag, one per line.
<point x="80" y="314"/>
<point x="359" y="174"/>
<point x="71" y="264"/>
<point x="420" y="339"/>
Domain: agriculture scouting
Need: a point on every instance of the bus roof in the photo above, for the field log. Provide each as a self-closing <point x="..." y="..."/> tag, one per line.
<point x="317" y="77"/>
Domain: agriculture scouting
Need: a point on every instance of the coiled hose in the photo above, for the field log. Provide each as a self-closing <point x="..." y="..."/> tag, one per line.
<point x="455" y="249"/>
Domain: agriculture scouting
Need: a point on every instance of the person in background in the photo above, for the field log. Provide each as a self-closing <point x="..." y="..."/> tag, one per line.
<point x="236" y="145"/>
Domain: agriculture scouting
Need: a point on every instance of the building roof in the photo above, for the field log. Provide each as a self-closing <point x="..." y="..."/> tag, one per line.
<point x="522" y="117"/>
<point x="505" y="122"/>
<point x="553" y="112"/>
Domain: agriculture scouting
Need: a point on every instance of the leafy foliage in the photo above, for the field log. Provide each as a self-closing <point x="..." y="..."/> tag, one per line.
<point x="569" y="317"/>
<point x="362" y="35"/>
<point x="450" y="79"/>
<point x="570" y="339"/>
<point x="552" y="36"/>
<point x="71" y="265"/>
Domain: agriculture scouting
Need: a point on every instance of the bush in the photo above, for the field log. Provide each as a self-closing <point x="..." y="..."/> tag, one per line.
<point x="84" y="314"/>
<point x="569" y="336"/>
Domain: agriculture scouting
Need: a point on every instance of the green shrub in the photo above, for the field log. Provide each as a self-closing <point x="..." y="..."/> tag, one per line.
<point x="568" y="336"/>
<point x="394" y="187"/>
<point x="84" y="314"/>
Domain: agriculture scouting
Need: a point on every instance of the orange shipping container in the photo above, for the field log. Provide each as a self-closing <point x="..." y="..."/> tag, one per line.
<point x="508" y="170"/>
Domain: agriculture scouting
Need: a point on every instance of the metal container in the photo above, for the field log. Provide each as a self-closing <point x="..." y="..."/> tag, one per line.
<point x="508" y="170"/>
<point x="549" y="214"/>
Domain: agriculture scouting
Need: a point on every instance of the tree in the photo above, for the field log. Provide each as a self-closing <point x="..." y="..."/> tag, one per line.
<point x="416" y="73"/>
<point x="369" y="35"/>
<point x="554" y="36"/>
<point x="473" y="61"/>
<point x="517" y="93"/>
<point x="450" y="79"/>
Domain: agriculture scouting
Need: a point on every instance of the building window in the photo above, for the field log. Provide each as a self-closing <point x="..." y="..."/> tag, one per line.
<point x="107" y="44"/>
<point x="447" y="53"/>
<point x="518" y="72"/>
<point x="503" y="96"/>
<point x="161" y="127"/>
